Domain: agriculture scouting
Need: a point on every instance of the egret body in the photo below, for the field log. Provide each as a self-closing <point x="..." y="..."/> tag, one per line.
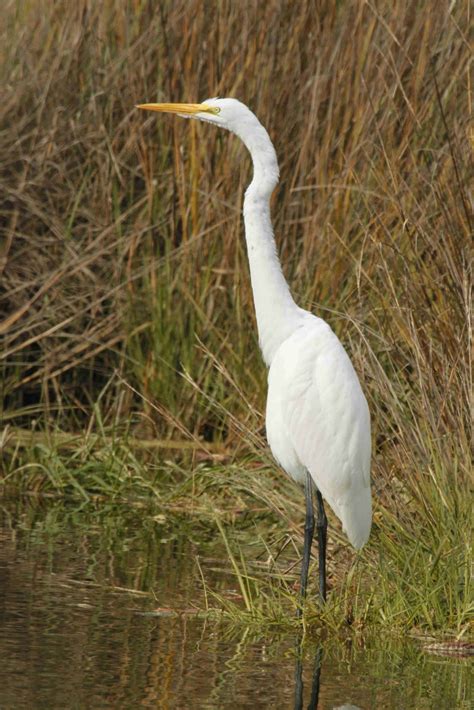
<point x="317" y="418"/>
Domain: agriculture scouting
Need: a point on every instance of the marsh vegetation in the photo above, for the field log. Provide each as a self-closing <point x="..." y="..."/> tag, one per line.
<point x="105" y="606"/>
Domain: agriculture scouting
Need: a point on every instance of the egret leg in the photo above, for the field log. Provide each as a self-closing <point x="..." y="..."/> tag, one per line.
<point x="308" y="538"/>
<point x="314" y="700"/>
<point x="322" y="526"/>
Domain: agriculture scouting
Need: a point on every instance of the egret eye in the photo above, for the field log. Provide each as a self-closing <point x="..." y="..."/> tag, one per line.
<point x="214" y="109"/>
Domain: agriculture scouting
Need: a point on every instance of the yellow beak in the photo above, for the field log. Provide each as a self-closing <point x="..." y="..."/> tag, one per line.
<point x="187" y="109"/>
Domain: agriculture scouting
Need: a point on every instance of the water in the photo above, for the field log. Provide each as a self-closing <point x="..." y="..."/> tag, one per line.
<point x="87" y="620"/>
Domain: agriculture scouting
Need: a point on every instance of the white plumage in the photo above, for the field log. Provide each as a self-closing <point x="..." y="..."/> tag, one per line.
<point x="317" y="416"/>
<point x="318" y="420"/>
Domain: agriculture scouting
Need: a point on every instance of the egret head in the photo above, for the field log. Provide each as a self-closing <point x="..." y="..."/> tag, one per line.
<point x="227" y="113"/>
<point x="237" y="118"/>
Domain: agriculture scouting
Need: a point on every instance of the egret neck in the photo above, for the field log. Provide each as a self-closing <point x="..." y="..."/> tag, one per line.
<point x="277" y="313"/>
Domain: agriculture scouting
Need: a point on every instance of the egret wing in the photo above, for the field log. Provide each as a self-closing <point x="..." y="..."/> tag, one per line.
<point x="326" y="418"/>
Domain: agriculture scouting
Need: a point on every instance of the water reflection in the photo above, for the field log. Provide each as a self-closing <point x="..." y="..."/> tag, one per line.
<point x="316" y="678"/>
<point x="313" y="703"/>
<point x="102" y="610"/>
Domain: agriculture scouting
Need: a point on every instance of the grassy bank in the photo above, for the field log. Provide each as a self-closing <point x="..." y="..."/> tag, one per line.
<point x="129" y="351"/>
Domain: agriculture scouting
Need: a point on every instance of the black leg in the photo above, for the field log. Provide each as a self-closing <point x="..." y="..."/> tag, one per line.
<point x="314" y="700"/>
<point x="322" y="526"/>
<point x="308" y="539"/>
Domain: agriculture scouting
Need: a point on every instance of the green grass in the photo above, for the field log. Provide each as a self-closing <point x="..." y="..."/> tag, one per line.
<point x="130" y="366"/>
<point x="410" y="577"/>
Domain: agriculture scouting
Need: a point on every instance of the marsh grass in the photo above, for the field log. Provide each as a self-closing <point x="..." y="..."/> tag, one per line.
<point x="412" y="577"/>
<point x="126" y="304"/>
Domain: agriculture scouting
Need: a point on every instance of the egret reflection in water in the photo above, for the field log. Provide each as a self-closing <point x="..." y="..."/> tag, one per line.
<point x="315" y="681"/>
<point x="299" y="687"/>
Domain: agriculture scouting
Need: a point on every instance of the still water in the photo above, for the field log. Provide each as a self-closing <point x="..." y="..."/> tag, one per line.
<point x="88" y="604"/>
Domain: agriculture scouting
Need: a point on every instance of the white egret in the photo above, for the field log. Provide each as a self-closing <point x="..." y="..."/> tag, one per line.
<point x="317" y="418"/>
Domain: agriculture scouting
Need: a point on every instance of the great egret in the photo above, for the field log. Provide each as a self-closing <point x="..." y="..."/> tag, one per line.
<point x="317" y="418"/>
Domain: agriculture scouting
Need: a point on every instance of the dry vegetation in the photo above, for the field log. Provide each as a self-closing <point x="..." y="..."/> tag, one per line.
<point x="125" y="297"/>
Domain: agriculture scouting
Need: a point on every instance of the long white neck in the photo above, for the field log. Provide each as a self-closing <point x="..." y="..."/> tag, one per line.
<point x="277" y="313"/>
